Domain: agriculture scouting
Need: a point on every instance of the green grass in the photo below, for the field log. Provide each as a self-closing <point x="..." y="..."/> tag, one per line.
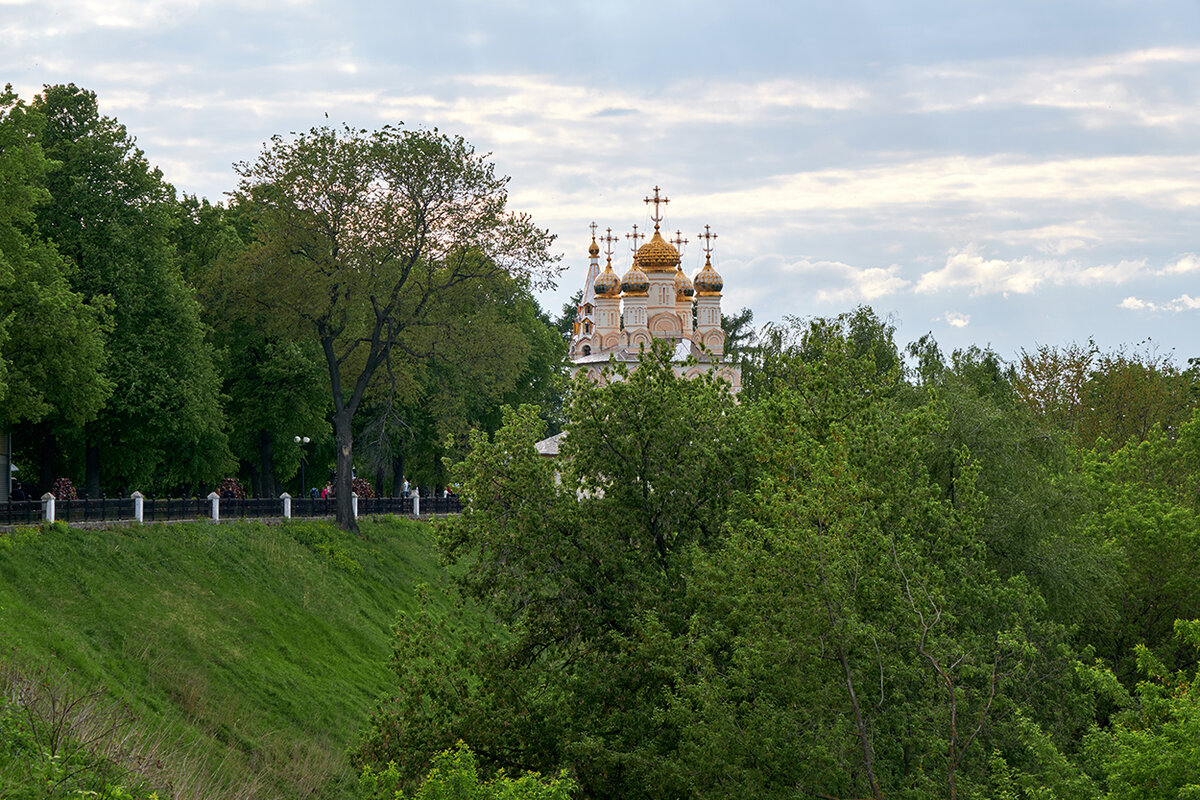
<point x="251" y="653"/>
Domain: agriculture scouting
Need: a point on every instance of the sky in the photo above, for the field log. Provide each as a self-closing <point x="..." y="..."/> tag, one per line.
<point x="1006" y="174"/>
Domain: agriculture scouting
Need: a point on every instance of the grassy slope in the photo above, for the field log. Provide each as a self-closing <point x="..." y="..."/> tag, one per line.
<point x="257" y="656"/>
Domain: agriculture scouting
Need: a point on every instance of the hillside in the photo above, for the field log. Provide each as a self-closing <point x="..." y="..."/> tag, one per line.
<point x="249" y="655"/>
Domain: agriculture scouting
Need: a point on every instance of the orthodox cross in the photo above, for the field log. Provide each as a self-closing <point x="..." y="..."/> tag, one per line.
<point x="635" y="236"/>
<point x="608" y="240"/>
<point x="593" y="226"/>
<point x="656" y="216"/>
<point x="679" y="241"/>
<point x="707" y="236"/>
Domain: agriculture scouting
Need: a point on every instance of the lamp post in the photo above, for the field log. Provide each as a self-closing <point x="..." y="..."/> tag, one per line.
<point x="302" y="440"/>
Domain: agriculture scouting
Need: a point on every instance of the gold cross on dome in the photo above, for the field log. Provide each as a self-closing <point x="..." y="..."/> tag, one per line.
<point x="608" y="240"/>
<point x="656" y="216"/>
<point x="707" y="236"/>
<point x="635" y="236"/>
<point x="679" y="241"/>
<point x="593" y="226"/>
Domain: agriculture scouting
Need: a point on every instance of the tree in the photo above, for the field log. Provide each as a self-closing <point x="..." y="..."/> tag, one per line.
<point x="367" y="242"/>
<point x="581" y="568"/>
<point x="739" y="332"/>
<point x="455" y="776"/>
<point x="110" y="214"/>
<point x="52" y="354"/>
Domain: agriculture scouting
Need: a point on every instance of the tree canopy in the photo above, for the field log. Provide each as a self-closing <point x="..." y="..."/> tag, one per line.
<point x="371" y="243"/>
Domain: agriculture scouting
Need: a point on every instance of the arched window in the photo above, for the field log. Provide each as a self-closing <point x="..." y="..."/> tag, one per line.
<point x="587" y="350"/>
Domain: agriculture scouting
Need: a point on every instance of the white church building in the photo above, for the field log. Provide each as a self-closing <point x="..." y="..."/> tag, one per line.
<point x="654" y="299"/>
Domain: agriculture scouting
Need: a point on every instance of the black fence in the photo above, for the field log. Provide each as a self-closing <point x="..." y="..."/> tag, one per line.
<point x="21" y="512"/>
<point x="171" y="509"/>
<point x="440" y="505"/>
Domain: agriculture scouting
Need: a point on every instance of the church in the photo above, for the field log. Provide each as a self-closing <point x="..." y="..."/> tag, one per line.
<point x="654" y="299"/>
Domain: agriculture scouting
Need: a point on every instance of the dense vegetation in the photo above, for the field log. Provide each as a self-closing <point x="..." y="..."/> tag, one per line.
<point x="369" y="291"/>
<point x="863" y="580"/>
<point x="881" y="571"/>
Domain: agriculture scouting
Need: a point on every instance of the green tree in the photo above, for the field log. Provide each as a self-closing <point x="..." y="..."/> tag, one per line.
<point x="110" y="214"/>
<point x="455" y="776"/>
<point x="1147" y="513"/>
<point x="275" y="387"/>
<point x="51" y="341"/>
<point x="1152" y="749"/>
<point x="367" y="243"/>
<point x="582" y="565"/>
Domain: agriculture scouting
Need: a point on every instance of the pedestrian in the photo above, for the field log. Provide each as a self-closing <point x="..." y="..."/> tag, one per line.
<point x="405" y="489"/>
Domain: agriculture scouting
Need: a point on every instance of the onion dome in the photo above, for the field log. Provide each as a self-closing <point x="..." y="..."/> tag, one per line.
<point x="635" y="281"/>
<point x="594" y="249"/>
<point x="607" y="283"/>
<point x="683" y="285"/>
<point x="657" y="255"/>
<point x="708" y="282"/>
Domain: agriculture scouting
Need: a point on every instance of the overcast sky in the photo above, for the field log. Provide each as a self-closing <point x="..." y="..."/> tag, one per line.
<point x="1008" y="173"/>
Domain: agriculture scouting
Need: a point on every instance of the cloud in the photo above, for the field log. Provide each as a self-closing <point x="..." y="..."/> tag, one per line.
<point x="1131" y="87"/>
<point x="1182" y="303"/>
<point x="1182" y="265"/>
<point x="969" y="269"/>
<point x="826" y="282"/>
<point x="956" y="320"/>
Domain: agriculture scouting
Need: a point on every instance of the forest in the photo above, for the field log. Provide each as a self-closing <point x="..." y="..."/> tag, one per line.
<point x="880" y="571"/>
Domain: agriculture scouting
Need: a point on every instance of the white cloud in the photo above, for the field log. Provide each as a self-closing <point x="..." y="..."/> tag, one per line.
<point x="968" y="269"/>
<point x="1182" y="265"/>
<point x="1114" y="88"/>
<point x="957" y="320"/>
<point x="828" y="282"/>
<point x="1182" y="303"/>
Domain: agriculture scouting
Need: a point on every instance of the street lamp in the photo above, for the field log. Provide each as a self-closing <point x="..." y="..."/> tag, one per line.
<point x="302" y="440"/>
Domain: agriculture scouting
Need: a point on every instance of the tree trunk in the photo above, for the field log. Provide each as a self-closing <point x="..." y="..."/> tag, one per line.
<point x="256" y="487"/>
<point x="266" y="450"/>
<point x="343" y="435"/>
<point x="398" y="476"/>
<point x="47" y="459"/>
<point x="379" y="479"/>
<point x="93" y="469"/>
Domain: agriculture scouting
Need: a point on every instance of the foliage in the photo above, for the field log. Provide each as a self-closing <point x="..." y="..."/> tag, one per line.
<point x="52" y="355"/>
<point x="1148" y="514"/>
<point x="1152" y="749"/>
<point x="455" y="776"/>
<point x="584" y="575"/>
<point x="57" y="741"/>
<point x="110" y="215"/>
<point x="370" y="244"/>
<point x="63" y="489"/>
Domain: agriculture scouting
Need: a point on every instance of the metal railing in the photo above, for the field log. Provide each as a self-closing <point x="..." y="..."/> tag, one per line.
<point x="173" y="509"/>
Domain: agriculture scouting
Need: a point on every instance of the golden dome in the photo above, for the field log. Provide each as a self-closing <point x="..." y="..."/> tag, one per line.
<point x="594" y="249"/>
<point x="683" y="285"/>
<point x="607" y="283"/>
<point x="708" y="282"/>
<point x="635" y="281"/>
<point x="657" y="255"/>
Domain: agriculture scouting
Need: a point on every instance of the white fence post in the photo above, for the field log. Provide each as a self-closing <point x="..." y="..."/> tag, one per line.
<point x="287" y="505"/>
<point x="139" y="505"/>
<point x="215" y="499"/>
<point x="354" y="504"/>
<point x="48" y="507"/>
<point x="416" y="495"/>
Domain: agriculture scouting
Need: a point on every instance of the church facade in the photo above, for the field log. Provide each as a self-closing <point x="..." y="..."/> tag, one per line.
<point x="653" y="299"/>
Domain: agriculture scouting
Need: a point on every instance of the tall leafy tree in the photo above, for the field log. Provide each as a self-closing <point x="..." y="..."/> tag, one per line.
<point x="582" y="565"/>
<point x="51" y="340"/>
<point x="367" y="242"/>
<point x="110" y="214"/>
